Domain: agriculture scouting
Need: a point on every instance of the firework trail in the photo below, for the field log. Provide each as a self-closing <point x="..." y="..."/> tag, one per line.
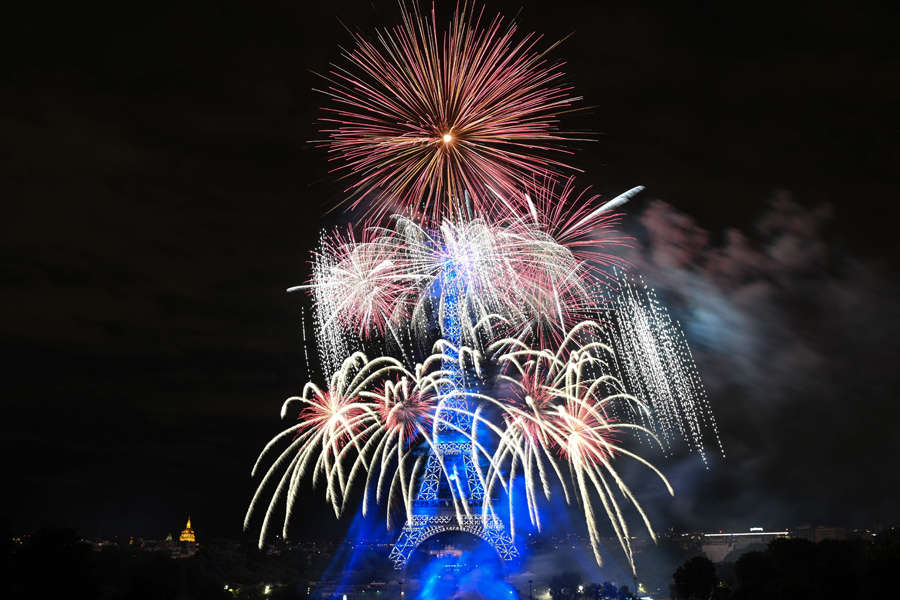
<point x="451" y="139"/>
<point x="364" y="426"/>
<point x="335" y="341"/>
<point x="656" y="362"/>
<point x="375" y="413"/>
<point x="569" y="408"/>
<point x="562" y="407"/>
<point x="360" y="287"/>
<point x="331" y="420"/>
<point x="538" y="269"/>
<point x="419" y="117"/>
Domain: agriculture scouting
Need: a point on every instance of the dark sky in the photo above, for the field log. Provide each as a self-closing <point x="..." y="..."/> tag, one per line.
<point x="159" y="194"/>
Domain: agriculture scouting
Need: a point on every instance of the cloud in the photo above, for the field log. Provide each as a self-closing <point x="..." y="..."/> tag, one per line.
<point x="795" y="340"/>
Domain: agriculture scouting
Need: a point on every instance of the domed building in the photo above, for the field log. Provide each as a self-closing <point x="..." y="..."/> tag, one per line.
<point x="186" y="545"/>
<point x="187" y="534"/>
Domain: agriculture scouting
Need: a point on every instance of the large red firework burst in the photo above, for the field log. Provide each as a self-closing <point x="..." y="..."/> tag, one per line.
<point x="420" y="118"/>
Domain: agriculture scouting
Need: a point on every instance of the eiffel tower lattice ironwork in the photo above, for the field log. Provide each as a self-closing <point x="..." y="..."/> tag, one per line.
<point x="434" y="509"/>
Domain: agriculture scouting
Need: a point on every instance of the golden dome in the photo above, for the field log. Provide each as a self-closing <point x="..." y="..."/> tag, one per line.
<point x="188" y="534"/>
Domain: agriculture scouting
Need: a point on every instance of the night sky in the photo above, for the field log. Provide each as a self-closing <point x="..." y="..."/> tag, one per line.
<point x="160" y="192"/>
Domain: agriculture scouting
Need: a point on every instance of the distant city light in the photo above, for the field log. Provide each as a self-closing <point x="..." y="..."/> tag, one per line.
<point x="745" y="533"/>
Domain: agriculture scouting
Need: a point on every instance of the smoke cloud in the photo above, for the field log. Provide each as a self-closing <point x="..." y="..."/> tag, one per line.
<point x="796" y="340"/>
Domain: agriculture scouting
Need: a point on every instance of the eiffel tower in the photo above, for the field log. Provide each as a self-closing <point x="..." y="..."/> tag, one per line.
<point x="434" y="510"/>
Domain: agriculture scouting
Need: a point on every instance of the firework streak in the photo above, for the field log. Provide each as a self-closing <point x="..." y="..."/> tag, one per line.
<point x="365" y="427"/>
<point x="419" y="118"/>
<point x="540" y="269"/>
<point x="547" y="359"/>
<point x="658" y="366"/>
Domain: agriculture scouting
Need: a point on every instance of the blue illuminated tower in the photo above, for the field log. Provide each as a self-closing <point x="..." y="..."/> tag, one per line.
<point x="433" y="509"/>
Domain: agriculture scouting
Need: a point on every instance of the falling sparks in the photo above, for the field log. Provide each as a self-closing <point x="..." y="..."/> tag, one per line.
<point x="658" y="366"/>
<point x="567" y="398"/>
<point x="366" y="425"/>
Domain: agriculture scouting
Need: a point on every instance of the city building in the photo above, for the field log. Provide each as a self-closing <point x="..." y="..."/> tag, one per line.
<point x="717" y="546"/>
<point x="817" y="533"/>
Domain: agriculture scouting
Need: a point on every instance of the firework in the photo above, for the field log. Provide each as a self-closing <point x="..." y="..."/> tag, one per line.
<point x="453" y="137"/>
<point x="375" y="413"/>
<point x="418" y="117"/>
<point x="331" y="421"/>
<point x="366" y="424"/>
<point x="359" y="285"/>
<point x="405" y="416"/>
<point x="562" y="409"/>
<point x="538" y="269"/>
<point x="568" y="410"/>
<point x="656" y="363"/>
<point x="566" y="236"/>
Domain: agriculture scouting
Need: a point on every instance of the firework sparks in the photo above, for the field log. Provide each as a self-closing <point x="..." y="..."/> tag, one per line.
<point x="403" y="414"/>
<point x="564" y="409"/>
<point x="538" y="269"/>
<point x="331" y="421"/>
<point x="360" y="285"/>
<point x="455" y="136"/>
<point x="656" y="363"/>
<point x="419" y="117"/>
<point x="375" y="412"/>
<point x="569" y="409"/>
<point x="366" y="424"/>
